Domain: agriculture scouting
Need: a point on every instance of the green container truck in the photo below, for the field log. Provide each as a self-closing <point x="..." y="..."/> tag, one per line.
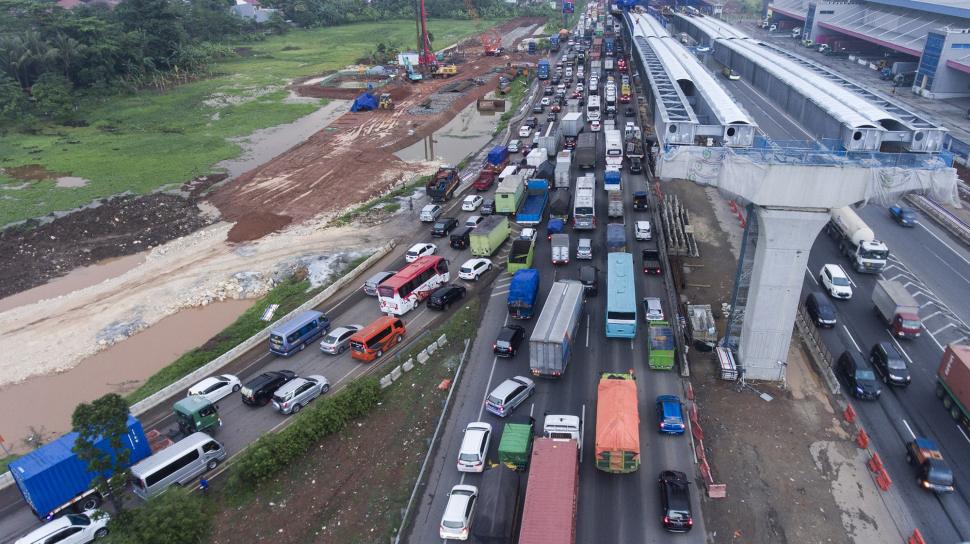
<point x="490" y="235"/>
<point x="521" y="255"/>
<point x="516" y="445"/>
<point x="662" y="346"/>
<point x="510" y="194"/>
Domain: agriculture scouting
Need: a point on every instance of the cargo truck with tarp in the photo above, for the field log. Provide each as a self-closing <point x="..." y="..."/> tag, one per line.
<point x="443" y="184"/>
<point x="616" y="237"/>
<point x="523" y="291"/>
<point x="55" y="481"/>
<point x="660" y="337"/>
<point x="560" y="205"/>
<point x="516" y="443"/>
<point x="617" y="424"/>
<point x="509" y="194"/>
<point x="552" y="494"/>
<point x="489" y="235"/>
<point x="551" y="343"/>
<point x="953" y="383"/>
<point x="496" y="507"/>
<point x="532" y="210"/>
<point x="520" y="256"/>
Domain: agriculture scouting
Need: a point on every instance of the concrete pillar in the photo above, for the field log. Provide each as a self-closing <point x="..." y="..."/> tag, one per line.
<point x="785" y="238"/>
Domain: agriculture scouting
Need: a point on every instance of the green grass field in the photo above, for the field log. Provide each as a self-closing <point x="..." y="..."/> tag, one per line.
<point x="150" y="140"/>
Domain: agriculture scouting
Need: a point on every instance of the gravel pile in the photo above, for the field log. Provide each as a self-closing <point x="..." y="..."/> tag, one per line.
<point x="437" y="103"/>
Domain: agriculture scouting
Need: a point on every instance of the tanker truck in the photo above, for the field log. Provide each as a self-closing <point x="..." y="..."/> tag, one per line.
<point x="857" y="241"/>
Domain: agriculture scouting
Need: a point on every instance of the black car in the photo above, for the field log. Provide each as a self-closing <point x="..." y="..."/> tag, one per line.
<point x="890" y="364"/>
<point x="488" y="207"/>
<point x="538" y="108"/>
<point x="462" y="239"/>
<point x="820" y="309"/>
<point x="548" y="91"/>
<point x="675" y="501"/>
<point x="532" y="122"/>
<point x="556" y="80"/>
<point x="260" y="389"/>
<point x="551" y="117"/>
<point x="508" y="340"/>
<point x="587" y="276"/>
<point x="443" y="296"/>
<point x="443" y="226"/>
<point x="628" y="111"/>
<point x="860" y="379"/>
<point x="636" y="165"/>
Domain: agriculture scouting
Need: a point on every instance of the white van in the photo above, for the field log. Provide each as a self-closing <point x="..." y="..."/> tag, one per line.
<point x="430" y="213"/>
<point x="177" y="464"/>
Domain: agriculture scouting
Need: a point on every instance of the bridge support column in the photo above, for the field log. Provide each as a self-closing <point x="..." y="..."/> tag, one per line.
<point x="785" y="238"/>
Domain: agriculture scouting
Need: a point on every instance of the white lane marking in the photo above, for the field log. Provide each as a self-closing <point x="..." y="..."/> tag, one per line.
<point x="355" y="369"/>
<point x="932" y="315"/>
<point x="498" y="293"/>
<point x="849" y="277"/>
<point x="935" y="341"/>
<point x="948" y="246"/>
<point x="963" y="433"/>
<point x="587" y="330"/>
<point x="491" y="374"/>
<point x="631" y="344"/>
<point x="943" y="328"/>
<point x="911" y="433"/>
<point x="812" y="276"/>
<point x="899" y="347"/>
<point x="856" y="344"/>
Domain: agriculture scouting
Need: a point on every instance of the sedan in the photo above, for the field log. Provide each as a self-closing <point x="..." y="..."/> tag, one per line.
<point x="456" y="522"/>
<point x="473" y="221"/>
<point x="595" y="126"/>
<point x="652" y="310"/>
<point x="538" y="108"/>
<point x="551" y="117"/>
<point x="71" y="529"/>
<point x="420" y="250"/>
<point x="471" y="203"/>
<point x="556" y="108"/>
<point x="216" y="387"/>
<point x="338" y="340"/>
<point x="472" y="269"/>
<point x="545" y="101"/>
<point x="525" y="131"/>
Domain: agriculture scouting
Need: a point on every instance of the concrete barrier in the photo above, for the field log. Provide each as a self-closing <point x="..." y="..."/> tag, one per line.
<point x="396" y="373"/>
<point x="386" y="382"/>
<point x="408" y="365"/>
<point x="423" y="357"/>
<point x="432" y="347"/>
<point x="442" y="340"/>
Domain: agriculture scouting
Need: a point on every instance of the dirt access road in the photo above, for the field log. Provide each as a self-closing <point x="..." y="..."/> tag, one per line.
<point x="353" y="159"/>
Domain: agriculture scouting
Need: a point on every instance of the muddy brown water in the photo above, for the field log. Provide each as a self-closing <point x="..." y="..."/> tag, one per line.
<point x="45" y="403"/>
<point x="460" y="137"/>
<point x="79" y="278"/>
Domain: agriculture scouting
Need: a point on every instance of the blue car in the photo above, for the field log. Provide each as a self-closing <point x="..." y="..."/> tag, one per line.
<point x="670" y="414"/>
<point x="903" y="215"/>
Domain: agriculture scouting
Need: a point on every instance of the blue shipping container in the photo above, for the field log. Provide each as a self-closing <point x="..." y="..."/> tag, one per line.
<point x="522" y="293"/>
<point x="52" y="475"/>
<point x="498" y="155"/>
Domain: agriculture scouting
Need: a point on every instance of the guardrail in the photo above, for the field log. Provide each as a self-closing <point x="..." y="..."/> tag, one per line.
<point x="820" y="354"/>
<point x="951" y="223"/>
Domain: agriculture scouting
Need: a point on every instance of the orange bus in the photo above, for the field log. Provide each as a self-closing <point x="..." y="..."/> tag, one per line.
<point x="373" y="340"/>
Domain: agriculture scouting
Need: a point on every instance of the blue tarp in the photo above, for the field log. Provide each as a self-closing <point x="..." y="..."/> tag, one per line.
<point x="364" y="102"/>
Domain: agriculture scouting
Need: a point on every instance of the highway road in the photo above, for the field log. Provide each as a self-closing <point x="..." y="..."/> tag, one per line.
<point x="936" y="269"/>
<point x="612" y="508"/>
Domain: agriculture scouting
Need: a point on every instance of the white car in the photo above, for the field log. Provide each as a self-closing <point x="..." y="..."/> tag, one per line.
<point x="652" y="309"/>
<point x="514" y="146"/>
<point x="471" y="203"/>
<point x="430" y="213"/>
<point x="595" y="126"/>
<point x="338" y="340"/>
<point x="456" y="522"/>
<point x="472" y="269"/>
<point x="474" y="447"/>
<point x="642" y="230"/>
<point x="70" y="529"/>
<point x="525" y="131"/>
<point x="835" y="281"/>
<point x="216" y="387"/>
<point x="580" y="87"/>
<point x="473" y="221"/>
<point x="545" y="101"/>
<point x="420" y="250"/>
<point x="528" y="233"/>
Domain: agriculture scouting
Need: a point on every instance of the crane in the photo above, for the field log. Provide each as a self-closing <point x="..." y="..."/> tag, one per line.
<point x="426" y="58"/>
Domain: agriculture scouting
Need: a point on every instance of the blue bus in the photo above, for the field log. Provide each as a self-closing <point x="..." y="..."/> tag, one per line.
<point x="621" y="297"/>
<point x="296" y="333"/>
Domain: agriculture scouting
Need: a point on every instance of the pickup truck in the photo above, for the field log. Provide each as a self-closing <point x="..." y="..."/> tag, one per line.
<point x="933" y="472"/>
<point x="903" y="215"/>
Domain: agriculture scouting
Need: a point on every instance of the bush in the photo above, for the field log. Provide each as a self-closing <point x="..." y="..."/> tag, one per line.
<point x="175" y="517"/>
<point x="272" y="453"/>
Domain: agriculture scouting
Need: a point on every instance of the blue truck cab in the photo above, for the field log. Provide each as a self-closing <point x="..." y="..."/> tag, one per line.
<point x="612" y="180"/>
<point x="537" y="195"/>
<point x="543" y="67"/>
<point x="903" y="215"/>
<point x="523" y="291"/>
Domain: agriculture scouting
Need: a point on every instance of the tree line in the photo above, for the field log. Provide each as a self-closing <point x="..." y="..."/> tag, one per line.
<point x="48" y="54"/>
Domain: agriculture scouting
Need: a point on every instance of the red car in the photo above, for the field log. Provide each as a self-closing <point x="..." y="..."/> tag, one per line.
<point x="556" y="108"/>
<point x="577" y="94"/>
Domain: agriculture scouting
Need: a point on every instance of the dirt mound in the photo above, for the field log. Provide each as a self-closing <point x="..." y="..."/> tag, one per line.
<point x="34" y="253"/>
<point x="257" y="225"/>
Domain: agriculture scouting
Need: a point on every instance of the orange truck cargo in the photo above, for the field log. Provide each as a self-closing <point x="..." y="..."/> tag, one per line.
<point x="617" y="424"/>
<point x="549" y="515"/>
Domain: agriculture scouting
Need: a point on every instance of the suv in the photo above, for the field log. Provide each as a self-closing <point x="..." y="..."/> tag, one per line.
<point x="514" y="146"/>
<point x="260" y="389"/>
<point x="860" y="379"/>
<point x="675" y="501"/>
<point x="636" y="165"/>
<point x="587" y="276"/>
<point x="652" y="309"/>
<point x="488" y="207"/>
<point x="474" y="447"/>
<point x="430" y="213"/>
<point x="443" y="296"/>
<point x="509" y="394"/>
<point x="443" y="226"/>
<point x="890" y="364"/>
<point x="584" y="249"/>
<point x="456" y="522"/>
<point x="507" y="343"/>
<point x="835" y="281"/>
<point x="642" y="230"/>
<point x="670" y="414"/>
<point x="70" y="529"/>
<point x="298" y="392"/>
<point x="820" y="309"/>
<point x="462" y="239"/>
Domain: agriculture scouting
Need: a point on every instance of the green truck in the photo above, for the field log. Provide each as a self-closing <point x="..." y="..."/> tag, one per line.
<point x="520" y="257"/>
<point x="490" y="235"/>
<point x="661" y="337"/>
<point x="510" y="194"/>
<point x="196" y="414"/>
<point x="516" y="445"/>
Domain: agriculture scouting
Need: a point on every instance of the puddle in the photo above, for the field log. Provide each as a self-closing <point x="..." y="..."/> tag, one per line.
<point x="76" y="279"/>
<point x="46" y="402"/>
<point x="72" y="181"/>
<point x="462" y="136"/>
<point x="264" y="144"/>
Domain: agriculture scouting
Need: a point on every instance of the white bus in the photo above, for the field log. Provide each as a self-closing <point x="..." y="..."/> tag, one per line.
<point x="593" y="108"/>
<point x="614" y="149"/>
<point x="584" y="203"/>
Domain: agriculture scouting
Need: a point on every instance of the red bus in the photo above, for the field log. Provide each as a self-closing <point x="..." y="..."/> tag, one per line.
<point x="400" y="293"/>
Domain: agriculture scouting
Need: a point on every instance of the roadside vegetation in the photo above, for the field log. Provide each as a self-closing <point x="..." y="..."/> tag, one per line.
<point x="289" y="294"/>
<point x="518" y="92"/>
<point x="387" y="202"/>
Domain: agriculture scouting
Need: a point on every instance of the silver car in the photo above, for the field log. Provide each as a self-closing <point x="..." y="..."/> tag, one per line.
<point x="298" y="392"/>
<point x="338" y="340"/>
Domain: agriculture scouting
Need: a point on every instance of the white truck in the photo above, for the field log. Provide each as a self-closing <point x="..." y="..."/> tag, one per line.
<point x="570" y="127"/>
<point x="564" y="161"/>
<point x="565" y="427"/>
<point x="857" y="241"/>
<point x="536" y="157"/>
<point x="549" y="140"/>
<point x="560" y="248"/>
<point x="550" y="346"/>
<point x="615" y="207"/>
